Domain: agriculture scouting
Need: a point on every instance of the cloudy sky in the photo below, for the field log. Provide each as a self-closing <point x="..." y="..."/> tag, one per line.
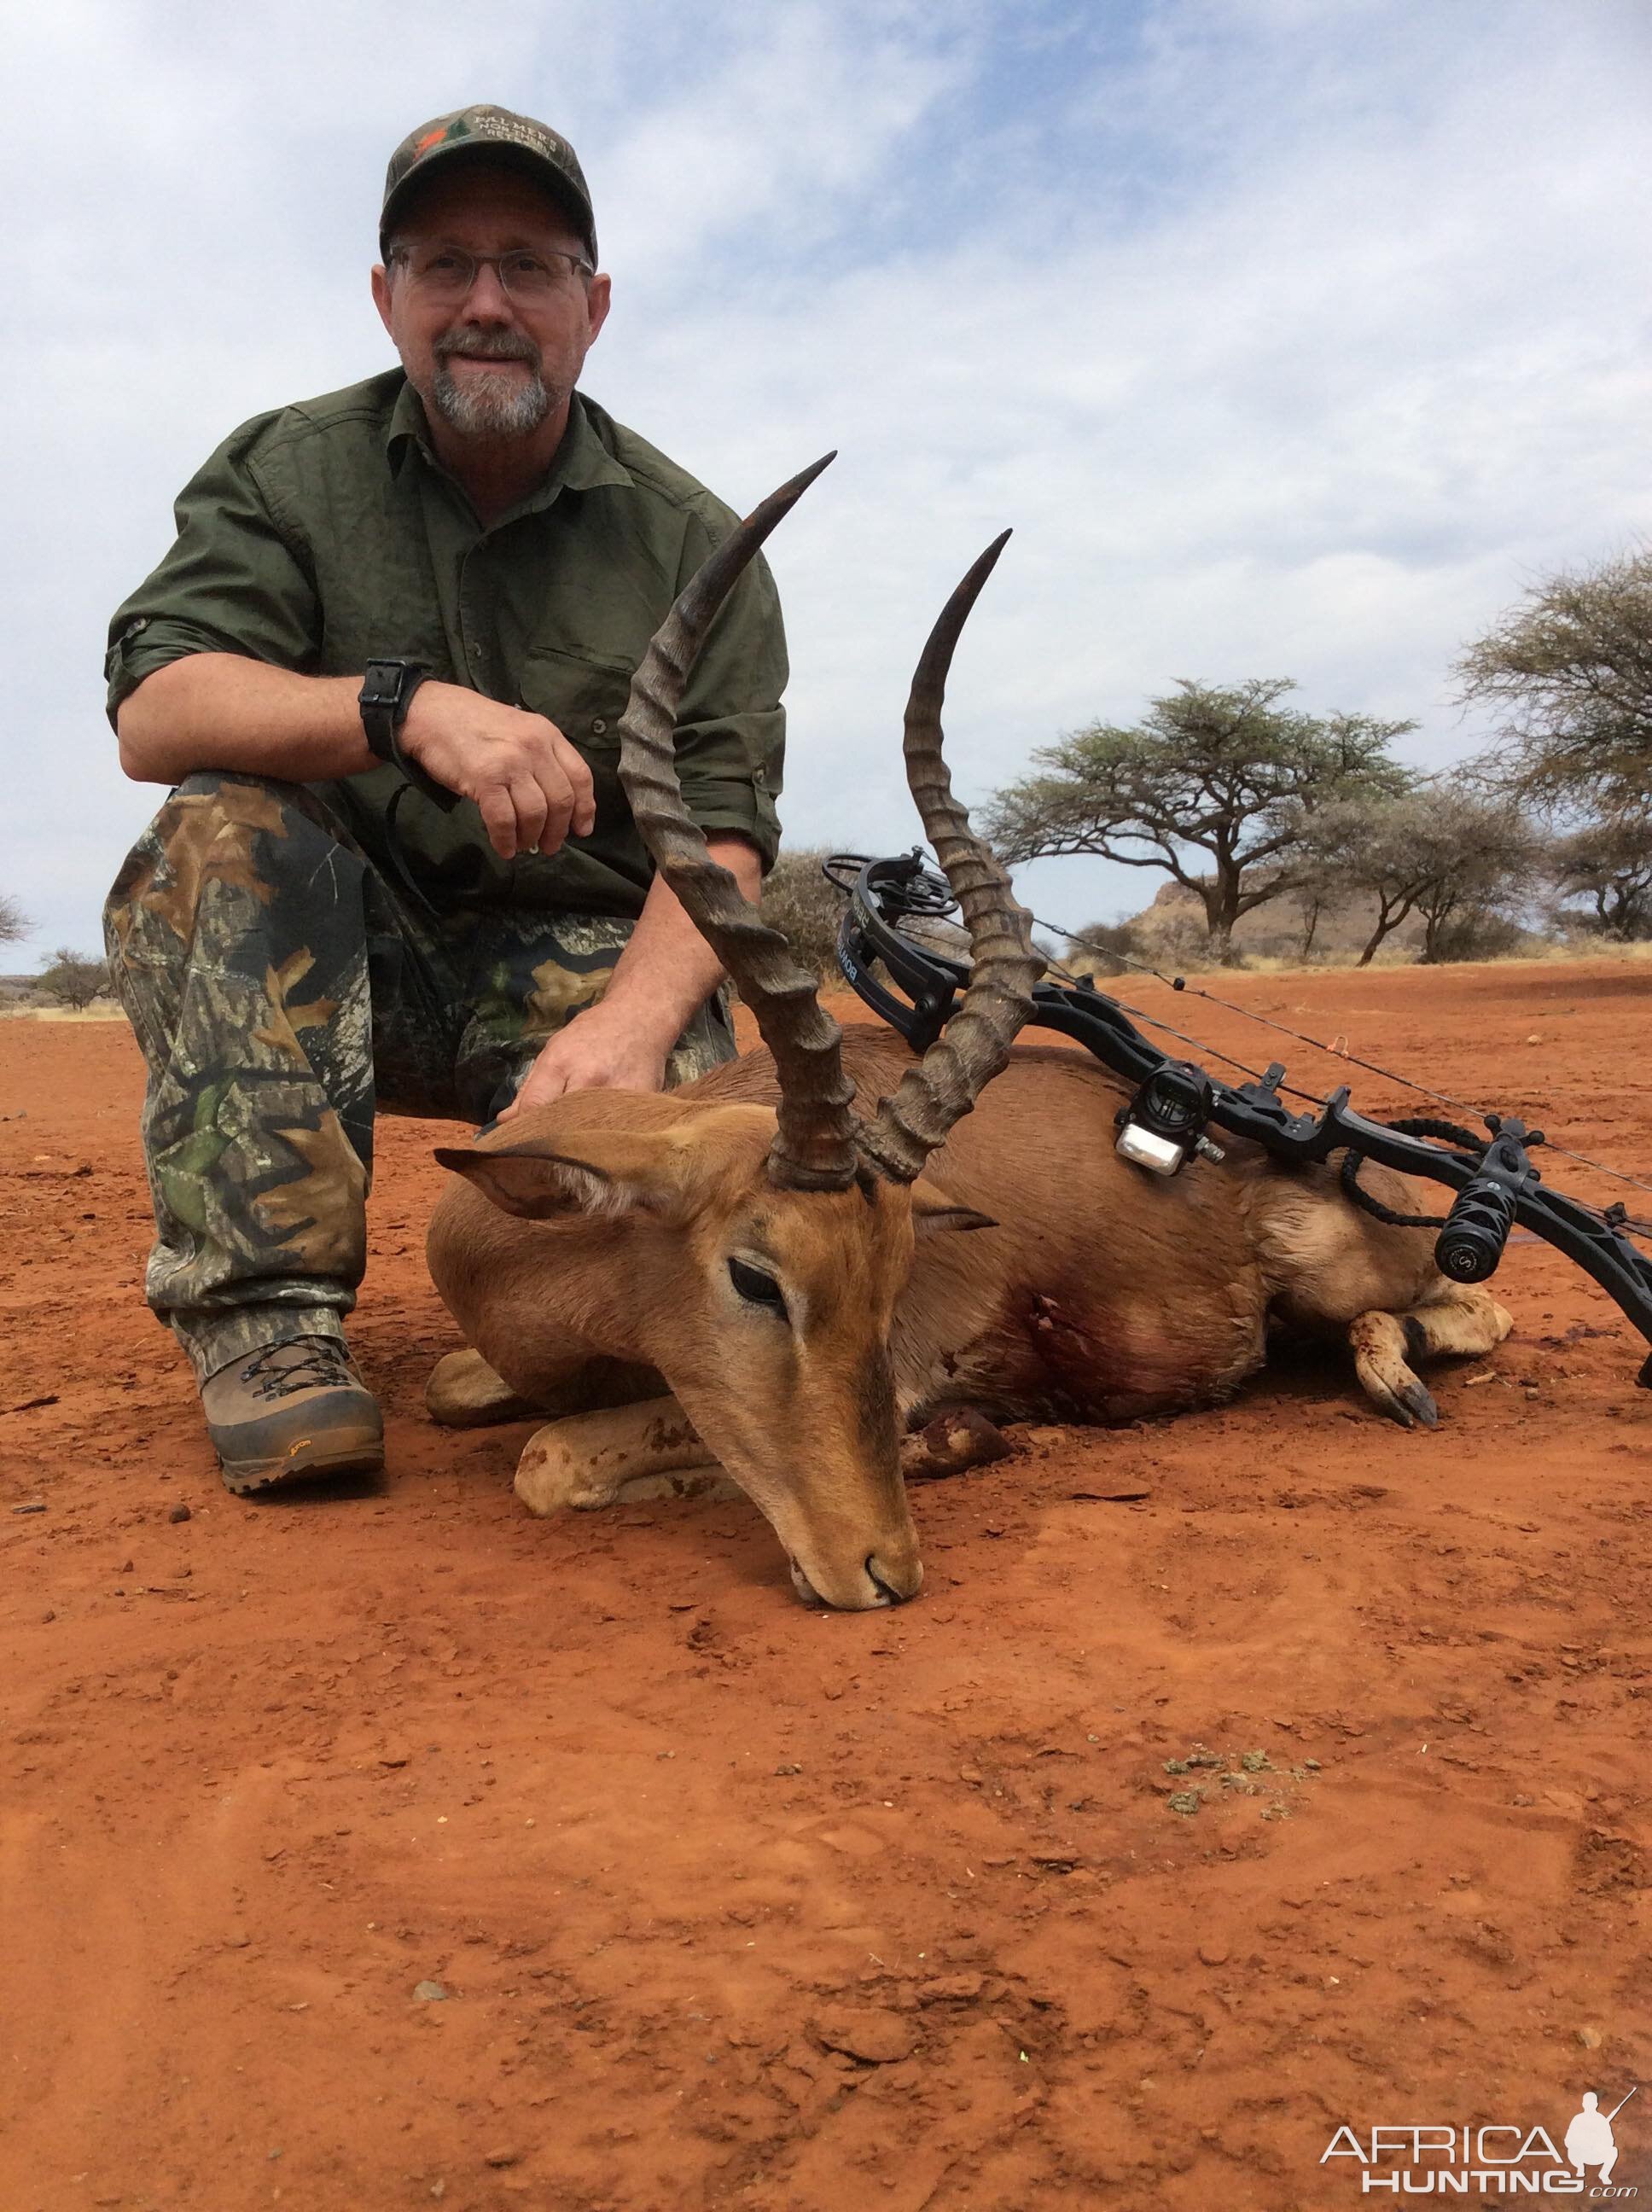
<point x="1293" y="337"/>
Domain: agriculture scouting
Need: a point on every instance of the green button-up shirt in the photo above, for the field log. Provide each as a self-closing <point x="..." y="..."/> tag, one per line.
<point x="326" y="535"/>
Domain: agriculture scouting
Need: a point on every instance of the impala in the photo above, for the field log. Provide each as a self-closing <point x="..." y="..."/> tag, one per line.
<point x="764" y="1271"/>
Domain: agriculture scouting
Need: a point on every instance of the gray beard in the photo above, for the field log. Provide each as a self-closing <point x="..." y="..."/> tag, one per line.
<point x="490" y="406"/>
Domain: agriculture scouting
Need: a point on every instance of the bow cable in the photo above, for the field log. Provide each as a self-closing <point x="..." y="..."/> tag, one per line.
<point x="1266" y="1021"/>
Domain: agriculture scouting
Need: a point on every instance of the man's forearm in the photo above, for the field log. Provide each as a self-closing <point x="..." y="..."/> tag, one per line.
<point x="216" y="710"/>
<point x="219" y="710"/>
<point x="668" y="970"/>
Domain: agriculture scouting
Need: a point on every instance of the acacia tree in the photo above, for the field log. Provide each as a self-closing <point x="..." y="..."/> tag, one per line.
<point x="1317" y="889"/>
<point x="14" y="922"/>
<point x="1460" y="858"/>
<point x="74" y="979"/>
<point x="1608" y="865"/>
<point x="1215" y="787"/>
<point x="1487" y="858"/>
<point x="1568" y="672"/>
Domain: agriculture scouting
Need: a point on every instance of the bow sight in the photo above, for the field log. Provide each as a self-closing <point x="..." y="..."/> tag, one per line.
<point x="1174" y="1102"/>
<point x="1164" y="1123"/>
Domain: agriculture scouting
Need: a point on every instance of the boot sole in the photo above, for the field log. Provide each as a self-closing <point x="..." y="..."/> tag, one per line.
<point x="242" y="1478"/>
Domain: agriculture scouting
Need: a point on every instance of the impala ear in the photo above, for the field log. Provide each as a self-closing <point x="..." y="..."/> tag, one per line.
<point x="932" y="1212"/>
<point x="668" y="1171"/>
<point x="537" y="1185"/>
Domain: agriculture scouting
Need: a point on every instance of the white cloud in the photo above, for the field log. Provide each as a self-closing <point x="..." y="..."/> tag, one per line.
<point x="1292" y="339"/>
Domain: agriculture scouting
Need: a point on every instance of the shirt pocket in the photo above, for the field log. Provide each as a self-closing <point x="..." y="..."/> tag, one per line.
<point x="585" y="699"/>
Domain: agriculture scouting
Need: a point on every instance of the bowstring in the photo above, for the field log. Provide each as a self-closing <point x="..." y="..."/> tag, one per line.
<point x="1065" y="974"/>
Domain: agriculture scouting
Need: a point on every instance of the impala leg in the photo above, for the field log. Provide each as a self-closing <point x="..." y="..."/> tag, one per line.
<point x="464" y="1392"/>
<point x="951" y="1444"/>
<point x="1462" y="1321"/>
<point x="621" y="1454"/>
<point x="1459" y="1320"/>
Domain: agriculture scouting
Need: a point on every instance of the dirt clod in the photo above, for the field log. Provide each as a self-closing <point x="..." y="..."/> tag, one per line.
<point x="950" y="1989"/>
<point x="868" y="2032"/>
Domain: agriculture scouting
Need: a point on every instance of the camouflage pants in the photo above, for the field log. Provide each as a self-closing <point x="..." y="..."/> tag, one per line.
<point x="282" y="990"/>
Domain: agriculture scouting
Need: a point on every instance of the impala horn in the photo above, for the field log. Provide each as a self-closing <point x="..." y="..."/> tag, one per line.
<point x="944" y="1085"/>
<point x="815" y="1147"/>
<point x="818" y="1144"/>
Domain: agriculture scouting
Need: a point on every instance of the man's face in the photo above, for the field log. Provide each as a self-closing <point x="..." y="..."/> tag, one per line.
<point x="491" y="365"/>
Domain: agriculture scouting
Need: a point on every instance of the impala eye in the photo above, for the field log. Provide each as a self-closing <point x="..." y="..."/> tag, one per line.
<point x="755" y="1287"/>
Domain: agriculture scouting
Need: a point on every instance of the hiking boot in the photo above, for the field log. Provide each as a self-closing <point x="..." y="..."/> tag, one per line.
<point x="290" y="1412"/>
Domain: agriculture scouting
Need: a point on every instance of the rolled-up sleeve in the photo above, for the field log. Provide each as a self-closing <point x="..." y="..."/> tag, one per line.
<point x="730" y="726"/>
<point x="235" y="581"/>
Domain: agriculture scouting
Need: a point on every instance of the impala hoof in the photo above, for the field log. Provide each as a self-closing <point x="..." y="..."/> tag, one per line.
<point x="1418" y="1402"/>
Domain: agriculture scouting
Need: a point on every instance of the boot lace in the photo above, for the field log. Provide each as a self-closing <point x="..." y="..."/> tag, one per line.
<point x="280" y="1369"/>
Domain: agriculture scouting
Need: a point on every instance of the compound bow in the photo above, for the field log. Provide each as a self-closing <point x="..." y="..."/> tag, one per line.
<point x="1175" y="1101"/>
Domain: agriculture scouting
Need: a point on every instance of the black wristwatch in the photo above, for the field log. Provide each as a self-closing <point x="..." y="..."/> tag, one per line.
<point x="386" y="693"/>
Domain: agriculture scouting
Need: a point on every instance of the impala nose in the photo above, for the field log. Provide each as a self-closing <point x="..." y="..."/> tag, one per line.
<point x="894" y="1584"/>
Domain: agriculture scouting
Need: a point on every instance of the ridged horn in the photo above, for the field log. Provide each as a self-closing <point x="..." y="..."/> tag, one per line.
<point x="814" y="1146"/>
<point x="932" y="1097"/>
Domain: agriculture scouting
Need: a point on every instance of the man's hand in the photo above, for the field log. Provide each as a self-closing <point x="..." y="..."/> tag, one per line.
<point x="220" y="710"/>
<point x="664" y="975"/>
<point x="597" y="1050"/>
<point x="530" y="785"/>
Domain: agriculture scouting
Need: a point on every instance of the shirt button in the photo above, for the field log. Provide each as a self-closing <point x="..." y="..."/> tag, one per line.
<point x="598" y="727"/>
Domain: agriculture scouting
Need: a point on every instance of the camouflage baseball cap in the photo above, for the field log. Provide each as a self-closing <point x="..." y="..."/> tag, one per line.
<point x="538" y="151"/>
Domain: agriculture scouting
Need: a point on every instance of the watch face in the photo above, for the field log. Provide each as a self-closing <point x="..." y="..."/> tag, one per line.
<point x="390" y="678"/>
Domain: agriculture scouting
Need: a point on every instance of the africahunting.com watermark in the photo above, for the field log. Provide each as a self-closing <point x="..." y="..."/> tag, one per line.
<point x="1506" y="2159"/>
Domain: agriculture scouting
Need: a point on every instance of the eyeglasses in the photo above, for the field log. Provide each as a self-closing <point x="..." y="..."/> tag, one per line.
<point x="442" y="272"/>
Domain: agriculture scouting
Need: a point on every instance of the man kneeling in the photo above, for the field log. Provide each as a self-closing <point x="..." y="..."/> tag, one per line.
<point x="384" y="664"/>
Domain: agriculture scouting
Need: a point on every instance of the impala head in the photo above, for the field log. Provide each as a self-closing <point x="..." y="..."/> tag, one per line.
<point x="755" y="1255"/>
<point x="767" y="1309"/>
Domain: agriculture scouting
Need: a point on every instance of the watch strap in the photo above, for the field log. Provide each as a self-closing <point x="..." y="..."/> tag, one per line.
<point x="386" y="692"/>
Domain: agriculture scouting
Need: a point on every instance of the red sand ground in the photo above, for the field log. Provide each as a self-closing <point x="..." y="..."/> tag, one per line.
<point x="676" y="1848"/>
